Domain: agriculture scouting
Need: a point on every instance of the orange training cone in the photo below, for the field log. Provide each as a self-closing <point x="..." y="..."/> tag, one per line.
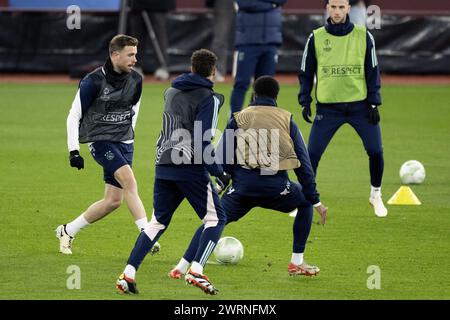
<point x="404" y="195"/>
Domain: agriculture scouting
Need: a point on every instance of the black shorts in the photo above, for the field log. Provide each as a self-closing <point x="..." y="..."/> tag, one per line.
<point x="168" y="194"/>
<point x="237" y="205"/>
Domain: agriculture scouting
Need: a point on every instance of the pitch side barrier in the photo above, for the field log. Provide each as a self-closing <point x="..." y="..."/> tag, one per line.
<point x="74" y="41"/>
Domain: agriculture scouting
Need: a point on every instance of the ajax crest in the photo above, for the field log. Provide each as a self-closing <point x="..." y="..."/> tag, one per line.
<point x="109" y="155"/>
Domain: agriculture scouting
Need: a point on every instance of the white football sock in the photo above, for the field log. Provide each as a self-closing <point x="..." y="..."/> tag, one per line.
<point x="76" y="225"/>
<point x="183" y="265"/>
<point x="297" y="258"/>
<point x="197" y="267"/>
<point x="375" y="192"/>
<point x="130" y="271"/>
<point x="141" y="223"/>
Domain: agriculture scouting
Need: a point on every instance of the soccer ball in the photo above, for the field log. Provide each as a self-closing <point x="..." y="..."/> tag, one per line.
<point x="412" y="172"/>
<point x="229" y="250"/>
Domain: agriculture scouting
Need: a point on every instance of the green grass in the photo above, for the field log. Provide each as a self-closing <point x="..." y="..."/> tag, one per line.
<point x="38" y="191"/>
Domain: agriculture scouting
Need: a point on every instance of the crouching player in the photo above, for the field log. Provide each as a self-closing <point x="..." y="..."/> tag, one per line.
<point x="256" y="184"/>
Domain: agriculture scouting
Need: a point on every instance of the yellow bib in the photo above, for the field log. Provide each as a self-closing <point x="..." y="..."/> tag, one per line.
<point x="340" y="66"/>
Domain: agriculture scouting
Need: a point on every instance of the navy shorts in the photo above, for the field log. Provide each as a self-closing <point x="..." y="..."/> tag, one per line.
<point x="111" y="156"/>
<point x="168" y="194"/>
<point x="237" y="205"/>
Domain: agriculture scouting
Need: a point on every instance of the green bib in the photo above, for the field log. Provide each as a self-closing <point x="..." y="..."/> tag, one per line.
<point x="340" y="66"/>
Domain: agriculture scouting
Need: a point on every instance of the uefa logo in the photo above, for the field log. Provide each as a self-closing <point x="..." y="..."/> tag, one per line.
<point x="326" y="71"/>
<point x="327" y="45"/>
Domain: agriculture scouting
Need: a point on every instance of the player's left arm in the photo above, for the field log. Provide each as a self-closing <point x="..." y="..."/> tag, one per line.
<point x="86" y="94"/>
<point x="305" y="173"/>
<point x="372" y="71"/>
<point x="136" y="104"/>
<point x="208" y="115"/>
<point x="225" y="149"/>
<point x="306" y="77"/>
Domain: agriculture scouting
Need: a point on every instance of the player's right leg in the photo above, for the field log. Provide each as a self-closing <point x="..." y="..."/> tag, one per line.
<point x="98" y="210"/>
<point x="206" y="202"/>
<point x="166" y="199"/>
<point x="245" y="62"/>
<point x="326" y="122"/>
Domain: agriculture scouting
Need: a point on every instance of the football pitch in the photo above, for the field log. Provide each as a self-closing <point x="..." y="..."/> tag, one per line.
<point x="406" y="255"/>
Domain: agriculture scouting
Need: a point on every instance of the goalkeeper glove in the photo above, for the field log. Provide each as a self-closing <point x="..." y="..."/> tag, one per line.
<point x="306" y="112"/>
<point x="76" y="160"/>
<point x="222" y="182"/>
<point x="374" y="115"/>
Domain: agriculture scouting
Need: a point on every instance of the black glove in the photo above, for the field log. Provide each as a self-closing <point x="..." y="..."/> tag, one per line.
<point x="374" y="115"/>
<point x="306" y="112"/>
<point x="76" y="160"/>
<point x="223" y="181"/>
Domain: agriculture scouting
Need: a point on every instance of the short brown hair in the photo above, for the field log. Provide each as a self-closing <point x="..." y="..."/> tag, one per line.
<point x="121" y="41"/>
<point x="203" y="62"/>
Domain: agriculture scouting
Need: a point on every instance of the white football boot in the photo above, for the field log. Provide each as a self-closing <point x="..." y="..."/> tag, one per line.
<point x="378" y="206"/>
<point x="65" y="241"/>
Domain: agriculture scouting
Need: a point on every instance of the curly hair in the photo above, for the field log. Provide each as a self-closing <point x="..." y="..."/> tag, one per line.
<point x="266" y="86"/>
<point x="203" y="62"/>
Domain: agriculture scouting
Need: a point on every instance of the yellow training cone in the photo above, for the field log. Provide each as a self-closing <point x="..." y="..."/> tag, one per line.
<point x="404" y="195"/>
